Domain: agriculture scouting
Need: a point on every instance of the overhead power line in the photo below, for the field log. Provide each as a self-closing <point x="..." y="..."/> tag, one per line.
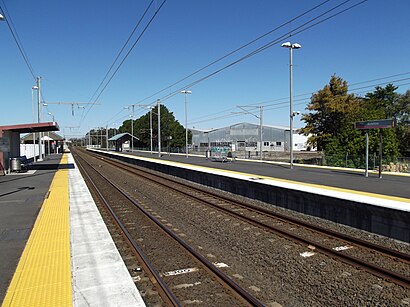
<point x="125" y="57"/>
<point x="122" y="49"/>
<point x="16" y="38"/>
<point x="285" y="104"/>
<point x="304" y="27"/>
<point x="236" y="50"/>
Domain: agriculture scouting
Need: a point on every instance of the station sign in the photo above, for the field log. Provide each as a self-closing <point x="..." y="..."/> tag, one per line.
<point x="376" y="124"/>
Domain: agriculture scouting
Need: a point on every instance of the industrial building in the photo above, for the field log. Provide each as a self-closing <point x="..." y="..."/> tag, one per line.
<point x="246" y="137"/>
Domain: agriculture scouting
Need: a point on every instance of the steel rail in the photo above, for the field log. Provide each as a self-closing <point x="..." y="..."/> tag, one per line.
<point x="353" y="261"/>
<point x="163" y="290"/>
<point x="359" y="242"/>
<point x="229" y="283"/>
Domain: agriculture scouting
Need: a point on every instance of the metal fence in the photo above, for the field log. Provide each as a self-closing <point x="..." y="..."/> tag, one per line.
<point x="392" y="164"/>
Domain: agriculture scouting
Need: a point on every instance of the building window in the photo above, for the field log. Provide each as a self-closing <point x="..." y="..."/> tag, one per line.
<point x="265" y="143"/>
<point x="278" y="143"/>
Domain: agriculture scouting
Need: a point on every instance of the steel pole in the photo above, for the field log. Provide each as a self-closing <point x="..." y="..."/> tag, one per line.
<point x="260" y="131"/>
<point x="40" y="150"/>
<point x="186" y="126"/>
<point x="366" y="172"/>
<point x="291" y="105"/>
<point x="380" y="153"/>
<point x="34" y="120"/>
<point x="106" y="136"/>
<point x="159" y="127"/>
<point x="132" y="129"/>
<point x="150" y="126"/>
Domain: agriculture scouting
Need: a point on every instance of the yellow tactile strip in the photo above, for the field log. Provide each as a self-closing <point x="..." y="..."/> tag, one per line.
<point x="43" y="275"/>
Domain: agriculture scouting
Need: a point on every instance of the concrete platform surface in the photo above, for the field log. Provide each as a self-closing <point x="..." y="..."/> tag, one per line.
<point x="99" y="275"/>
<point x="21" y="196"/>
<point x="391" y="184"/>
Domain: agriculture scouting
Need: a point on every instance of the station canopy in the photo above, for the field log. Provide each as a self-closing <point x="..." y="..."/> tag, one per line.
<point x="34" y="127"/>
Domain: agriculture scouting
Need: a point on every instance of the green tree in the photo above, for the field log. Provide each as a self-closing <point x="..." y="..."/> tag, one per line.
<point x="333" y="112"/>
<point x="329" y="123"/>
<point x="403" y="123"/>
<point x="170" y="127"/>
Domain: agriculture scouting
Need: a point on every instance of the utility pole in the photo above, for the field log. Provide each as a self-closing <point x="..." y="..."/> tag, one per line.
<point x="132" y="129"/>
<point x="34" y="88"/>
<point x="159" y="127"/>
<point x="106" y="136"/>
<point x="291" y="113"/>
<point x="260" y="131"/>
<point x="40" y="150"/>
<point x="150" y="126"/>
<point x="185" y="92"/>
<point x="260" y="117"/>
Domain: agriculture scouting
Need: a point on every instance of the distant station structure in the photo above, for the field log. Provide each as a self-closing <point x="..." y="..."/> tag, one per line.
<point x="246" y="137"/>
<point x="121" y="141"/>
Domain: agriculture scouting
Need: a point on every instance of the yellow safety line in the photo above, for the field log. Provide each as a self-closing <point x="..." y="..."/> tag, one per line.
<point x="43" y="274"/>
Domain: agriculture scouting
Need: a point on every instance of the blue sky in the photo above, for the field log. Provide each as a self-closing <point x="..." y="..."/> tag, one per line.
<point x="71" y="45"/>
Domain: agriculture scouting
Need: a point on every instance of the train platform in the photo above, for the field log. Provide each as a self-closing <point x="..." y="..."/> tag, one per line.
<point x="345" y="196"/>
<point x="391" y="185"/>
<point x="54" y="245"/>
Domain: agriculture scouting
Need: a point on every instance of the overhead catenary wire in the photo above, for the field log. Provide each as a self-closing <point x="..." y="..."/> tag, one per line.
<point x="281" y="105"/>
<point x="289" y="34"/>
<point x="243" y="58"/>
<point x="125" y="57"/>
<point x="122" y="49"/>
<point x="236" y="50"/>
<point x="250" y="54"/>
<point x="16" y="38"/>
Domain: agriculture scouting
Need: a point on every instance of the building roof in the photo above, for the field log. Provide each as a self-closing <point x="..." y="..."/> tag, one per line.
<point x="53" y="136"/>
<point x="34" y="127"/>
<point x="120" y="135"/>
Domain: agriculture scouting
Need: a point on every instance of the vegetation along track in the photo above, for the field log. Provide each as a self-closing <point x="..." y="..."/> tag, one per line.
<point x="308" y="239"/>
<point x="181" y="266"/>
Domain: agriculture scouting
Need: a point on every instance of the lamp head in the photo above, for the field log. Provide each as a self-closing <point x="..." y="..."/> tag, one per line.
<point x="296" y="46"/>
<point x="186" y="92"/>
<point x="1" y="17"/>
<point x="34" y="87"/>
<point x="286" y="45"/>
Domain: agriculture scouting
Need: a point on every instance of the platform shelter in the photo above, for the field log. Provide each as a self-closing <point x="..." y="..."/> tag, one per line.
<point x="10" y="139"/>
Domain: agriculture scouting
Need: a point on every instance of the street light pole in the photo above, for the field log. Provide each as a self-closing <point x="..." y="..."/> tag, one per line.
<point x="260" y="132"/>
<point x="150" y="126"/>
<point x="159" y="127"/>
<point x="48" y="134"/>
<point x="291" y="113"/>
<point x="40" y="150"/>
<point x="186" y="121"/>
<point x="33" y="88"/>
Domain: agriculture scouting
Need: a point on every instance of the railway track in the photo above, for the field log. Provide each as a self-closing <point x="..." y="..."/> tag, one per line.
<point x="380" y="261"/>
<point x="123" y="210"/>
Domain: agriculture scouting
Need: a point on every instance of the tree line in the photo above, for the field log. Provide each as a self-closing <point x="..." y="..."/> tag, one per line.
<point x="332" y="113"/>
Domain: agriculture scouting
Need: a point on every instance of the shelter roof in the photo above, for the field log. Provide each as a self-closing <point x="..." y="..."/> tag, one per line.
<point x="121" y="135"/>
<point x="53" y="136"/>
<point x="34" y="127"/>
